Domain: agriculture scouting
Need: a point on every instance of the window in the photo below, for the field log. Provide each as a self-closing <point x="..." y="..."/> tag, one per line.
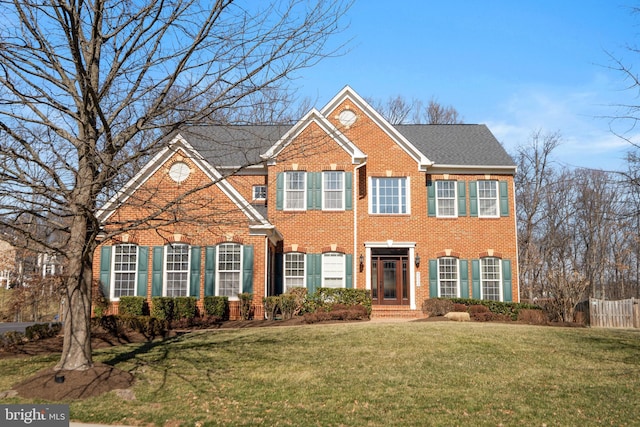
<point x="229" y="273"/>
<point x="389" y="196"/>
<point x="488" y="198"/>
<point x="490" y="278"/>
<point x="448" y="277"/>
<point x="333" y="190"/>
<point x="259" y="192"/>
<point x="446" y="198"/>
<point x="177" y="266"/>
<point x="294" y="194"/>
<point x="125" y="264"/>
<point x="333" y="270"/>
<point x="293" y="270"/>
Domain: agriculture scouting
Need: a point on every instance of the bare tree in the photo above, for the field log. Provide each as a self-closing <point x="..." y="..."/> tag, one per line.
<point x="89" y="89"/>
<point x="398" y="110"/>
<point x="534" y="177"/>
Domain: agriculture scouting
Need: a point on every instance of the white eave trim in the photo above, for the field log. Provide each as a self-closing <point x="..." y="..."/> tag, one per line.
<point x="467" y="169"/>
<point x="314" y="116"/>
<point x="422" y="161"/>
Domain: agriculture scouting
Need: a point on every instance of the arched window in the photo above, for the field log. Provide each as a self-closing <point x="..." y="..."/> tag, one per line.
<point x="490" y="279"/>
<point x="333" y="270"/>
<point x="448" y="277"/>
<point x="229" y="269"/>
<point x="125" y="265"/>
<point x="294" y="270"/>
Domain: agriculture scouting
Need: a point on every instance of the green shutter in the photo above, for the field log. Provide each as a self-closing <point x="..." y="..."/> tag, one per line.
<point x="473" y="198"/>
<point x="348" y="267"/>
<point x="348" y="191"/>
<point x="279" y="191"/>
<point x="431" y="198"/>
<point x="506" y="281"/>
<point x="156" y="271"/>
<point x="247" y="269"/>
<point x="475" y="278"/>
<point x="504" y="198"/>
<point x="462" y="199"/>
<point x="143" y="270"/>
<point x="314" y="190"/>
<point x="209" y="271"/>
<point x="105" y="270"/>
<point x="314" y="271"/>
<point x="433" y="278"/>
<point x="194" y="273"/>
<point x="464" y="278"/>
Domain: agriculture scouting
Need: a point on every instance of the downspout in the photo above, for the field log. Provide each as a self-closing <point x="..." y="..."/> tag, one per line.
<point x="356" y="258"/>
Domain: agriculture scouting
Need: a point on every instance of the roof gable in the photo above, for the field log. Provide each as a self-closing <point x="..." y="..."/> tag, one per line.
<point x="180" y="145"/>
<point x="315" y="117"/>
<point x="349" y="94"/>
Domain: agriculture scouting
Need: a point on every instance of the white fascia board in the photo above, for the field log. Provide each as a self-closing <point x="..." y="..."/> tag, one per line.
<point x="314" y="116"/>
<point x="141" y="177"/>
<point x="408" y="147"/>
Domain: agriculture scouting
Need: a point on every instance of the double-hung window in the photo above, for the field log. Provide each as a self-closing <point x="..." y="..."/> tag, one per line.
<point x="490" y="278"/>
<point x="446" y="201"/>
<point x="389" y="196"/>
<point x="229" y="269"/>
<point x="294" y="272"/>
<point x="125" y="262"/>
<point x="448" y="277"/>
<point x="294" y="191"/>
<point x="333" y="270"/>
<point x="177" y="270"/>
<point x="488" y="199"/>
<point x="259" y="192"/>
<point x="333" y="190"/>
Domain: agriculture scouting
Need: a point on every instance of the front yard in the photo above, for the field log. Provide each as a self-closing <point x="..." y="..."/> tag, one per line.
<point x="368" y="374"/>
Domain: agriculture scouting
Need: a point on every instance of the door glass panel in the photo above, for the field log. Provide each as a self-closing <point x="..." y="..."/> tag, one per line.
<point x="374" y="279"/>
<point x="390" y="279"/>
<point x="405" y="281"/>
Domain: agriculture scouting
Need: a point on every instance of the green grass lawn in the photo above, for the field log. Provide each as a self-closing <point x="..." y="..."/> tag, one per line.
<point x="371" y="374"/>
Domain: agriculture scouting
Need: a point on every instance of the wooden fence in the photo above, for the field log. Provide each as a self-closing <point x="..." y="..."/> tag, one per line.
<point x="614" y="314"/>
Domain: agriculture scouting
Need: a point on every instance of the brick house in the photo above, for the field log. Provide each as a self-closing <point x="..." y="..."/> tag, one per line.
<point x="340" y="199"/>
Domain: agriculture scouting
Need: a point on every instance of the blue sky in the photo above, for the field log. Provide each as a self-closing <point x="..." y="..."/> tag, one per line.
<point x="514" y="65"/>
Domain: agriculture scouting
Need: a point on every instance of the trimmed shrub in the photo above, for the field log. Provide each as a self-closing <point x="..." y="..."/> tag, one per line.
<point x="478" y="308"/>
<point x="437" y="306"/>
<point x="217" y="307"/>
<point x="460" y="308"/>
<point x="162" y="308"/>
<point x="133" y="306"/>
<point x="324" y="299"/>
<point x="338" y="312"/>
<point x="245" y="305"/>
<point x="42" y="330"/>
<point x="12" y="339"/>
<point x="185" y="308"/>
<point x="532" y="316"/>
<point x="271" y="307"/>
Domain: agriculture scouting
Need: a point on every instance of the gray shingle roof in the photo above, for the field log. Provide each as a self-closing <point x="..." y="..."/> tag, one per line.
<point x="460" y="145"/>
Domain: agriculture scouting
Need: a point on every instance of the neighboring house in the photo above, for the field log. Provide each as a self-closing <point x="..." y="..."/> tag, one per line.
<point x="340" y="199"/>
<point x="7" y="264"/>
<point x="17" y="267"/>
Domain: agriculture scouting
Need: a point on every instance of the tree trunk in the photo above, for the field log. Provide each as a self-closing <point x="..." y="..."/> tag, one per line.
<point x="76" y="348"/>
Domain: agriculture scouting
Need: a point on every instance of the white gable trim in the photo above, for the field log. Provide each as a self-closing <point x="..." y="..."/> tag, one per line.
<point x="314" y="116"/>
<point x="178" y="143"/>
<point x="348" y="93"/>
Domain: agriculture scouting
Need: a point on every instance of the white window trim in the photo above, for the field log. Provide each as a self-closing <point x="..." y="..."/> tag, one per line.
<point x="457" y="275"/>
<point x="217" y="280"/>
<point x="324" y="208"/>
<point x="165" y="281"/>
<point x="284" y="270"/>
<point x="497" y="199"/>
<point x="455" y="199"/>
<point x="344" y="268"/>
<point x="408" y="197"/>
<point x="499" y="261"/>
<point x="112" y="288"/>
<point x="253" y="189"/>
<point x="286" y="192"/>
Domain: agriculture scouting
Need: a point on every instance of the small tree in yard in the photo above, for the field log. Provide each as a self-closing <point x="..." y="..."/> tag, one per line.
<point x="90" y="90"/>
